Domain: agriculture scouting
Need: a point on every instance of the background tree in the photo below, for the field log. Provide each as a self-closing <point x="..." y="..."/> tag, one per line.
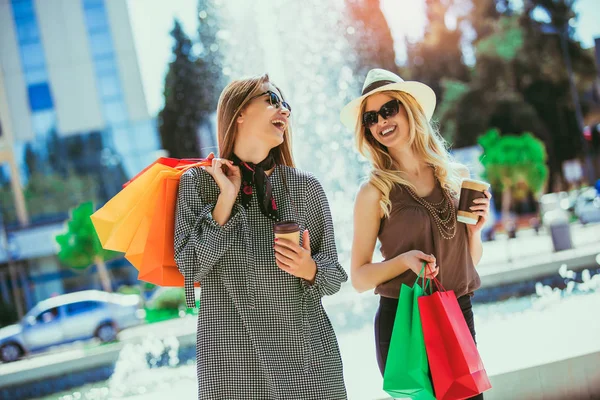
<point x="79" y="246"/>
<point x="512" y="164"/>
<point x="519" y="83"/>
<point x="439" y="55"/>
<point x="49" y="195"/>
<point x="212" y="47"/>
<point x="180" y="117"/>
<point x="546" y="85"/>
<point x="31" y="159"/>
<point x="369" y="36"/>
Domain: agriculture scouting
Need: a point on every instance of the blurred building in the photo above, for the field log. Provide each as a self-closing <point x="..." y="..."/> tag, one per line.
<point x="72" y="108"/>
<point x="592" y="118"/>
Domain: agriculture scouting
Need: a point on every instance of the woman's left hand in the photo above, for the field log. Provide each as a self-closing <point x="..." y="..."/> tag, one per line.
<point x="294" y="259"/>
<point x="481" y="208"/>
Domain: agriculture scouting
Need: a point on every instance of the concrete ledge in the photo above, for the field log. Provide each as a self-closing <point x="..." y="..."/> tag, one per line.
<point x="47" y="366"/>
<point x="38" y="368"/>
<point x="572" y="378"/>
<point x="543" y="266"/>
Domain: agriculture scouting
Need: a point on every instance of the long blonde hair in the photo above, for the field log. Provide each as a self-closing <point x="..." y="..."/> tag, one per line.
<point x="233" y="99"/>
<point x="425" y="141"/>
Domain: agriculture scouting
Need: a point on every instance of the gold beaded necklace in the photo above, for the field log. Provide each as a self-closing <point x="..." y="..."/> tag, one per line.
<point x="444" y="217"/>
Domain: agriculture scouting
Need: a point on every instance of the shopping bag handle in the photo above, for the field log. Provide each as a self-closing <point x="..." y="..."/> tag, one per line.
<point x="424" y="281"/>
<point x="438" y="285"/>
<point x="205" y="162"/>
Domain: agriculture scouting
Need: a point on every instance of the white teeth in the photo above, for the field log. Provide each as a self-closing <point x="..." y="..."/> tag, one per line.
<point x="278" y="122"/>
<point x="388" y="130"/>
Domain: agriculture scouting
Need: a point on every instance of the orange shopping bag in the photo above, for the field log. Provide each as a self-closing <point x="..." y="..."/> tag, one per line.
<point x="146" y="211"/>
<point x="118" y="221"/>
<point x="142" y="215"/>
<point x="158" y="259"/>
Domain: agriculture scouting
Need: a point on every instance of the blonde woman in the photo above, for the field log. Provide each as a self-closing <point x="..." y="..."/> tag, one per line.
<point x="262" y="330"/>
<point x="409" y="202"/>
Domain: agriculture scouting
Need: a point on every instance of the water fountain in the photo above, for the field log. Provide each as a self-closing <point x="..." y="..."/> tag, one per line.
<point x="316" y="76"/>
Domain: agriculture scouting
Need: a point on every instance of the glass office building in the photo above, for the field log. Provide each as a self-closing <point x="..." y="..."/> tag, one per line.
<point x="77" y="112"/>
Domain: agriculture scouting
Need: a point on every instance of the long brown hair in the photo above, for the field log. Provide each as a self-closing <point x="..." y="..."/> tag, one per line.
<point x="425" y="141"/>
<point x="233" y="100"/>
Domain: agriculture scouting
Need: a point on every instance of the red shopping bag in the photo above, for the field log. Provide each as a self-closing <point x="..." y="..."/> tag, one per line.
<point x="169" y="162"/>
<point x="456" y="367"/>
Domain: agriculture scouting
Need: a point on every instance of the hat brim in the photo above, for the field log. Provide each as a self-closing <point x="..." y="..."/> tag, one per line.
<point x="424" y="95"/>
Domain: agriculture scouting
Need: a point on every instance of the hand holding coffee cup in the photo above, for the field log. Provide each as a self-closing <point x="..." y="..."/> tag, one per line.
<point x="289" y="255"/>
<point x="288" y="230"/>
<point x="470" y="210"/>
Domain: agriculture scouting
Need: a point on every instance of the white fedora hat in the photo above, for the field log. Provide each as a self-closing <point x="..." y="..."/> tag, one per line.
<point x="379" y="80"/>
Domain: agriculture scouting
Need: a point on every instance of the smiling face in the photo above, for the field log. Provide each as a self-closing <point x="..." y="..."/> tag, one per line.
<point x="251" y="123"/>
<point x="262" y="119"/>
<point x="392" y="131"/>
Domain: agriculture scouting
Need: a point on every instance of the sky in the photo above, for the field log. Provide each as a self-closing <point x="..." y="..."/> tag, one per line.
<point x="152" y="20"/>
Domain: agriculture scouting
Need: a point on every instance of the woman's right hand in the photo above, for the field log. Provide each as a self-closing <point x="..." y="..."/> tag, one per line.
<point x="414" y="260"/>
<point x="228" y="179"/>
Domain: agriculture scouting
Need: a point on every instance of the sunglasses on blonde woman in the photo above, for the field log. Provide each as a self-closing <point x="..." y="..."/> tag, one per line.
<point x="389" y="109"/>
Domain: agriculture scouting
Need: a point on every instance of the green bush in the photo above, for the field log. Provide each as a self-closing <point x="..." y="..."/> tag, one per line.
<point x="124" y="289"/>
<point x="160" y="315"/>
<point x="170" y="299"/>
<point x="169" y="304"/>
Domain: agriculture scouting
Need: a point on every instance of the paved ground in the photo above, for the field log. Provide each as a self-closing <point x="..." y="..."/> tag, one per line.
<point x="557" y="325"/>
<point x="527" y="247"/>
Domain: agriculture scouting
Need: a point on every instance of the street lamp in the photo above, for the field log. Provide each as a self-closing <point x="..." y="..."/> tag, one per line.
<point x="562" y="30"/>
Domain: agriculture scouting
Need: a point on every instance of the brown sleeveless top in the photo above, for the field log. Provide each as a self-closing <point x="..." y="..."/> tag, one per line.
<point x="410" y="226"/>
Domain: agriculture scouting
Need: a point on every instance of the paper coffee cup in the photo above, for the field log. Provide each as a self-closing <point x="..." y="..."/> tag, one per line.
<point x="289" y="230"/>
<point x="470" y="190"/>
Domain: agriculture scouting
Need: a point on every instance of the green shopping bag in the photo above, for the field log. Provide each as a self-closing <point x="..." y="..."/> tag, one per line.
<point x="407" y="370"/>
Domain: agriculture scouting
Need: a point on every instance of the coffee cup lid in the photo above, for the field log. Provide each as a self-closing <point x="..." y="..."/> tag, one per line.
<point x="475" y="182"/>
<point x="286" y="227"/>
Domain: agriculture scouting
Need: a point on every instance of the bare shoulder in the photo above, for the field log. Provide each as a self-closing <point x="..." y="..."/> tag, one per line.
<point x="367" y="200"/>
<point x="368" y="193"/>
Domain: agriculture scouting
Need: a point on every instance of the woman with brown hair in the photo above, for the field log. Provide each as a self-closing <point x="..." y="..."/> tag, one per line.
<point x="262" y="330"/>
<point x="409" y="202"/>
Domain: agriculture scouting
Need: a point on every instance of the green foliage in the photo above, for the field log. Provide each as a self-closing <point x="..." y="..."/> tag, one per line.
<point x="439" y="54"/>
<point x="519" y="82"/>
<point x="510" y="160"/>
<point x="505" y="44"/>
<point x="49" y="194"/>
<point x="170" y="299"/>
<point x="170" y="303"/>
<point x="453" y="93"/>
<point x="192" y="85"/>
<point x="79" y="245"/>
<point x="125" y="289"/>
<point x="210" y="62"/>
<point x="180" y="118"/>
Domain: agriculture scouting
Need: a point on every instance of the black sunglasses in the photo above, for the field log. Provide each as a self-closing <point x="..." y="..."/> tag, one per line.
<point x="386" y="111"/>
<point x="274" y="100"/>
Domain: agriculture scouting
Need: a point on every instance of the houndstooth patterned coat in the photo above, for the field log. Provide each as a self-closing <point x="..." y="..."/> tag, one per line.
<point x="262" y="333"/>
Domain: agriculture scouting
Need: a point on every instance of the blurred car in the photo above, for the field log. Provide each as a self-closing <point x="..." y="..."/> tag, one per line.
<point x="554" y="207"/>
<point x="587" y="206"/>
<point x="68" y="318"/>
